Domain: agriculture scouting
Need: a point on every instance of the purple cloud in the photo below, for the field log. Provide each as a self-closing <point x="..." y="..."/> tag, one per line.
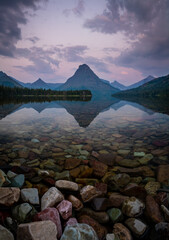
<point x="78" y="10"/>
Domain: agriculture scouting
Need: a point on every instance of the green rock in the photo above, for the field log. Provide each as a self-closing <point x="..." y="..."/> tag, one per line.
<point x="115" y="215"/>
<point x="62" y="176"/>
<point x="11" y="174"/>
<point x="146" y="159"/>
<point x="139" y="154"/>
<point x="18" y="181"/>
<point x="23" y="212"/>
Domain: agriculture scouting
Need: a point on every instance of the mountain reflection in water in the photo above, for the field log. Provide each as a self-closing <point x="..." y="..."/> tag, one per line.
<point x="84" y="112"/>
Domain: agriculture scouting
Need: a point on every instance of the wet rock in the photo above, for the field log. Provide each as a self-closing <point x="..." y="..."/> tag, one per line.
<point x="111" y="236"/>
<point x="161" y="199"/>
<point x="99" y="168"/>
<point x="50" y="214"/>
<point x="65" y="209"/>
<point x="136" y="226"/>
<point x="71" y="222"/>
<point x="133" y="189"/>
<point x="115" y="215"/>
<point x="140" y="171"/>
<point x="85" y="171"/>
<point x="163" y="174"/>
<point x="107" y="159"/>
<point x="121" y="232"/>
<point x="152" y="187"/>
<point x="119" y="180"/>
<point x="127" y="163"/>
<point x="165" y="212"/>
<point x="76" y="203"/>
<point x="23" y="212"/>
<point x="9" y="196"/>
<point x="79" y="232"/>
<point x="34" y="140"/>
<point x="88" y="193"/>
<point x="37" y="230"/>
<point x="75" y="172"/>
<point x="159" y="143"/>
<point x="153" y="210"/>
<point x="101" y="217"/>
<point x="67" y="185"/>
<point x="102" y="187"/>
<point x="4" y="181"/>
<point x="30" y="195"/>
<point x="18" y="181"/>
<point x="123" y="152"/>
<point x="99" y="229"/>
<point x="146" y="159"/>
<point x="100" y="204"/>
<point x="11" y="174"/>
<point x="139" y="154"/>
<point x="117" y="199"/>
<point x="71" y="163"/>
<point x="65" y="175"/>
<point x="132" y="207"/>
<point x="162" y="231"/>
<point x="5" y="234"/>
<point x="51" y="197"/>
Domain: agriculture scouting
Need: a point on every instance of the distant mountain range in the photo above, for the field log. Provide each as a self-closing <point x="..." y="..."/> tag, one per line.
<point x="8" y="81"/>
<point x="156" y="87"/>
<point x="85" y="78"/>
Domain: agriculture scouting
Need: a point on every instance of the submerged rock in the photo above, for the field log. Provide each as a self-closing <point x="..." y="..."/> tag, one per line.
<point x="133" y="207"/>
<point x="68" y="185"/>
<point x="88" y="193"/>
<point x="136" y="226"/>
<point x="5" y="234"/>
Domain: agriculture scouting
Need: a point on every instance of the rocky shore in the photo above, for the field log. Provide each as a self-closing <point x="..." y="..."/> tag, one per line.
<point x="100" y="196"/>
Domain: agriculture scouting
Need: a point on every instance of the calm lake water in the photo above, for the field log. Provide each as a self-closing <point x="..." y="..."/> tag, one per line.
<point x="104" y="126"/>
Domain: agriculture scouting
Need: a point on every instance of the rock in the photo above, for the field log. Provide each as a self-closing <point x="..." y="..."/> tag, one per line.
<point x="115" y="215"/>
<point x="50" y="214"/>
<point x="139" y="154"/>
<point x="107" y="159"/>
<point x="121" y="232"/>
<point x="51" y="197"/>
<point x="72" y="163"/>
<point x="102" y="187"/>
<point x="18" y="181"/>
<point x="146" y="159"/>
<point x="127" y="163"/>
<point x="101" y="217"/>
<point x="119" y="181"/>
<point x="76" y="203"/>
<point x="11" y="174"/>
<point x="86" y="181"/>
<point x="9" y="196"/>
<point x="134" y="190"/>
<point x="152" y="187"/>
<point x="111" y="236"/>
<point x="132" y="207"/>
<point x="140" y="171"/>
<point x="153" y="210"/>
<point x="5" y="234"/>
<point x="65" y="175"/>
<point x="23" y="212"/>
<point x="88" y="193"/>
<point x="67" y="185"/>
<point x="163" y="174"/>
<point x="34" y="140"/>
<point x="30" y="195"/>
<point x="99" y="168"/>
<point x="79" y="232"/>
<point x="85" y="171"/>
<point x="65" y="209"/>
<point x="162" y="231"/>
<point x="99" y="229"/>
<point x="100" y="204"/>
<point x="165" y="212"/>
<point x="123" y="152"/>
<point x="37" y="230"/>
<point x="162" y="199"/>
<point x="2" y="178"/>
<point x="159" y="143"/>
<point x="137" y="227"/>
<point x="117" y="199"/>
<point x="71" y="222"/>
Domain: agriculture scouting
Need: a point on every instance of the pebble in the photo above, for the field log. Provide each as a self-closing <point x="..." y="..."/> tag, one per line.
<point x="133" y="207"/>
<point x="9" y="196"/>
<point x="18" y="181"/>
<point x="23" y="212"/>
<point x="51" y="197"/>
<point x="67" y="185"/>
<point x="165" y="212"/>
<point x="136" y="226"/>
<point x="88" y="193"/>
<point x="34" y="140"/>
<point x="163" y="174"/>
<point x="76" y="203"/>
<point x="65" y="209"/>
<point x="115" y="215"/>
<point x="30" y="195"/>
<point x="5" y="234"/>
<point x="153" y="210"/>
<point x="37" y="230"/>
<point x="121" y="232"/>
<point x="117" y="199"/>
<point x="152" y="187"/>
<point x="101" y="217"/>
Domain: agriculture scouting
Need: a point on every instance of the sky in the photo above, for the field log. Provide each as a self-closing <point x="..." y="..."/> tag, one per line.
<point x="123" y="40"/>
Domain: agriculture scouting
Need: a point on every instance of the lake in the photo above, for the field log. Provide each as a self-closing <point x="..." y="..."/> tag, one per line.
<point x="86" y="142"/>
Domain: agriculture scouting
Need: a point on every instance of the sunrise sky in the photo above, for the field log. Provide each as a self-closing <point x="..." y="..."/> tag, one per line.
<point x="123" y="40"/>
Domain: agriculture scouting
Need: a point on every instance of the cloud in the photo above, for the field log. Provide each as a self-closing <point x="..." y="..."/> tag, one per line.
<point x="98" y="64"/>
<point x="147" y="23"/>
<point x="74" y="53"/>
<point x="78" y="10"/>
<point x="33" y="39"/>
<point x="12" y="14"/>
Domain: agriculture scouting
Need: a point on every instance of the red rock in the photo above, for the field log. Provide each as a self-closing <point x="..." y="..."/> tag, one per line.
<point x="102" y="187"/>
<point x="89" y="192"/>
<point x="99" y="168"/>
<point x="49" y="181"/>
<point x="50" y="214"/>
<point x="71" y="221"/>
<point x="65" y="209"/>
<point x="159" y="143"/>
<point x="163" y="174"/>
<point x="108" y="159"/>
<point x="99" y="229"/>
<point x="117" y="199"/>
<point x="76" y="203"/>
<point x="162" y="199"/>
<point x="153" y="210"/>
<point x="3" y="216"/>
<point x="121" y="232"/>
<point x="132" y="189"/>
<point x="71" y="163"/>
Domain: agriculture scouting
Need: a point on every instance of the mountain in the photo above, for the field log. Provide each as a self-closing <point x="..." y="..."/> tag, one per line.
<point x="39" y="84"/>
<point x="156" y="87"/>
<point x="85" y="78"/>
<point x="7" y="81"/>
<point x="118" y="85"/>
<point x="140" y="83"/>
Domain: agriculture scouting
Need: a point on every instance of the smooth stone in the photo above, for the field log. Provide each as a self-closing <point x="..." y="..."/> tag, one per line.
<point x="37" y="231"/>
<point x="85" y="172"/>
<point x="67" y="185"/>
<point x="107" y="159"/>
<point x="65" y="209"/>
<point x="153" y="210"/>
<point x="50" y="214"/>
<point x="117" y="199"/>
<point x="101" y="217"/>
<point x="146" y="159"/>
<point x="71" y="222"/>
<point x="111" y="236"/>
<point x="137" y="227"/>
<point x="11" y="174"/>
<point x="79" y="232"/>
<point x="121" y="232"/>
<point x="99" y="168"/>
<point x="5" y="234"/>
<point x="123" y="152"/>
<point x="34" y="140"/>
<point x="139" y="154"/>
<point x="9" y="196"/>
<point x="102" y="187"/>
<point x="152" y="187"/>
<point x="76" y="203"/>
<point x="134" y="190"/>
<point x="18" y="181"/>
<point x="71" y="163"/>
<point x="99" y="229"/>
<point x="88" y="193"/>
<point x="133" y="207"/>
<point x="30" y="195"/>
<point x="128" y="163"/>
<point x="163" y="174"/>
<point x="115" y="215"/>
<point x="23" y="212"/>
<point x="165" y="212"/>
<point x="51" y="197"/>
<point x="65" y="175"/>
<point x="119" y="181"/>
<point x="162" y="199"/>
